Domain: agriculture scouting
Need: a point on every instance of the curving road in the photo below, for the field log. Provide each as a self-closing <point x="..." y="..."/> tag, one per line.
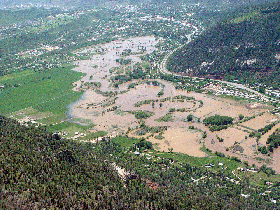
<point x="163" y="69"/>
<point x="162" y="66"/>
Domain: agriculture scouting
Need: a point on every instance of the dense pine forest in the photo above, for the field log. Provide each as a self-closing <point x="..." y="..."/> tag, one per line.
<point x="39" y="170"/>
<point x="243" y="46"/>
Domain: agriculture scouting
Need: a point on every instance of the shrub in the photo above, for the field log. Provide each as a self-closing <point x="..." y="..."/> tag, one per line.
<point x="220" y="154"/>
<point x="189" y="117"/>
<point x="142" y="114"/>
<point x="263" y="150"/>
<point x="172" y="110"/>
<point x="204" y="135"/>
<point x="236" y="159"/>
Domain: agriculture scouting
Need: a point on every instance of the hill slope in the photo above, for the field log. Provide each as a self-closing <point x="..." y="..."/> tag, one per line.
<point x="245" y="46"/>
<point x="40" y="170"/>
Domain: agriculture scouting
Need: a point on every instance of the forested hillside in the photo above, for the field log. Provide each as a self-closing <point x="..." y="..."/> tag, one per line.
<point x="244" y="46"/>
<point x="41" y="170"/>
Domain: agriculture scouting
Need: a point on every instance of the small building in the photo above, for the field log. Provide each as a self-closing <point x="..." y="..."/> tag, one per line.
<point x="137" y="153"/>
<point x="245" y="196"/>
<point x="273" y="201"/>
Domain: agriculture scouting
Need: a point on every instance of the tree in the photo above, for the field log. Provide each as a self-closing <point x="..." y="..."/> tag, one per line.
<point x="190" y="117"/>
<point x="262" y="90"/>
<point x="204" y="135"/>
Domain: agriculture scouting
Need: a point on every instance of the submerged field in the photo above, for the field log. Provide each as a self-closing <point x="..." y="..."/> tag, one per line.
<point x="135" y="108"/>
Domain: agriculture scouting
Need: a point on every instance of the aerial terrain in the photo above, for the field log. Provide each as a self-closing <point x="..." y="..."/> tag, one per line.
<point x="139" y="104"/>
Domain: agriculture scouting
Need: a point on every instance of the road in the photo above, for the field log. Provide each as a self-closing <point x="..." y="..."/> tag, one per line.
<point x="163" y="69"/>
<point x="162" y="66"/>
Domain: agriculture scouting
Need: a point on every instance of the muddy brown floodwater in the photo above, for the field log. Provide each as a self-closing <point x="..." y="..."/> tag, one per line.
<point x="179" y="136"/>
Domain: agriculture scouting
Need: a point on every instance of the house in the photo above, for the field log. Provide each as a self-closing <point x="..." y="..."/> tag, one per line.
<point x="245" y="196"/>
<point x="137" y="153"/>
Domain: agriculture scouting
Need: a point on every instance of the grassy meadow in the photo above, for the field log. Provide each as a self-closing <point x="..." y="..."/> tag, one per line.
<point x="48" y="91"/>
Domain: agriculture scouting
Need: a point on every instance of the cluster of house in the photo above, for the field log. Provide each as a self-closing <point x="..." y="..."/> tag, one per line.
<point x="185" y="22"/>
<point x="230" y="91"/>
<point x="39" y="51"/>
<point x="26" y="121"/>
<point x="95" y="140"/>
<point x="253" y="170"/>
<point x="273" y="93"/>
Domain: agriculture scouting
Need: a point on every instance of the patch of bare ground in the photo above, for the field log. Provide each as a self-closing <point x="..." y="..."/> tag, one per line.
<point x="181" y="140"/>
<point x="266" y="135"/>
<point x="214" y="105"/>
<point x="276" y="158"/>
<point x="112" y="122"/>
<point x="259" y="121"/>
<point x="231" y="135"/>
<point x="152" y="185"/>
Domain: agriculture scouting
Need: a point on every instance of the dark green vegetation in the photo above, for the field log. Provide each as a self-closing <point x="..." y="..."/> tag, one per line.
<point x="144" y="129"/>
<point x="267" y="128"/>
<point x="166" y="118"/>
<point x="9" y="17"/>
<point x="40" y="170"/>
<point x="273" y="140"/>
<point x="136" y="73"/>
<point x="243" y="46"/>
<point x="142" y="114"/>
<point x="217" y="122"/>
<point x="123" y="61"/>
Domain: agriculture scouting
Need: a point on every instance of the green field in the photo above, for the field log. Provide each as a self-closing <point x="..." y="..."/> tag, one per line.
<point x="69" y="127"/>
<point x="48" y="91"/>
